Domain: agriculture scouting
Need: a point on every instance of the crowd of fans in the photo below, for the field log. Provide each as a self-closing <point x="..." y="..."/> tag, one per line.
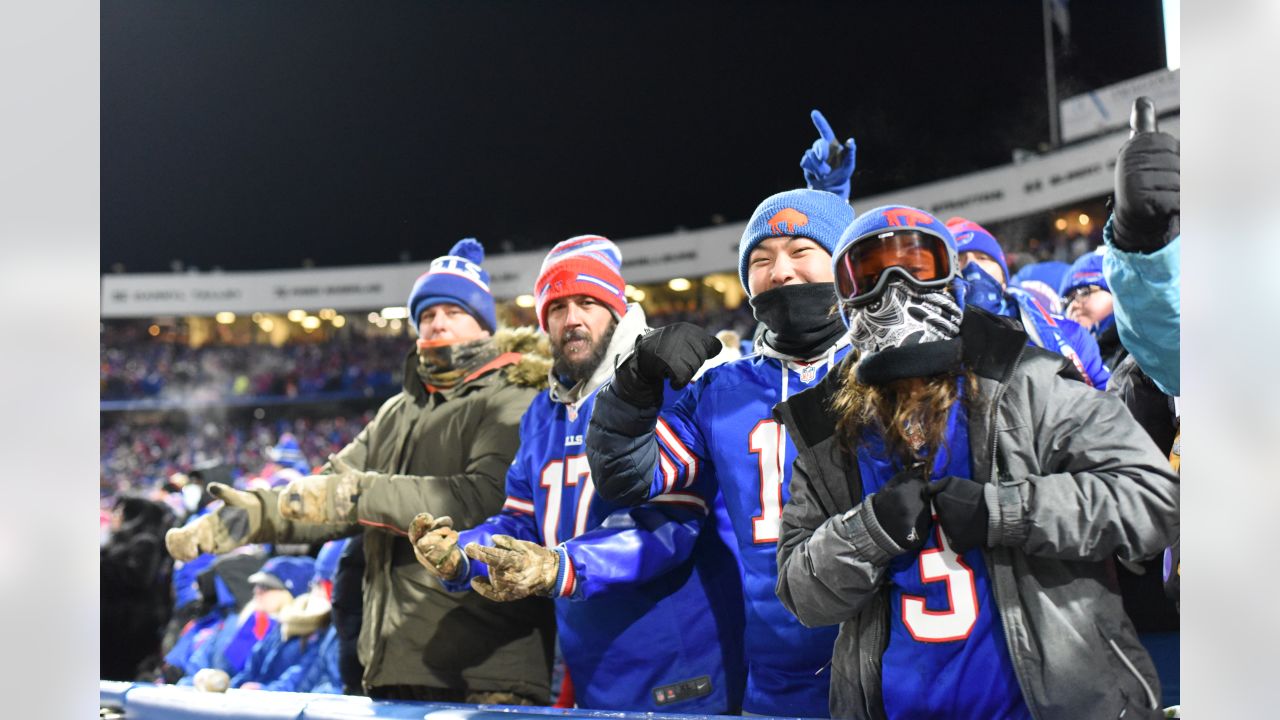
<point x="142" y="456"/>
<point x="145" y="368"/>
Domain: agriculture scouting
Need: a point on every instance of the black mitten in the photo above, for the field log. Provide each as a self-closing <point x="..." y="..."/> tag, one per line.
<point x="674" y="352"/>
<point x="962" y="512"/>
<point x="902" y="509"/>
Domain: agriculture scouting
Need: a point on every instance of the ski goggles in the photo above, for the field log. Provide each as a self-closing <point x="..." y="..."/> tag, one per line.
<point x="867" y="264"/>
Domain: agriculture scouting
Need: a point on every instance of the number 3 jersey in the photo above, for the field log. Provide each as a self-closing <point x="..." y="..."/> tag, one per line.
<point x="722" y="435"/>
<point x="946" y="656"/>
<point x="648" y="603"/>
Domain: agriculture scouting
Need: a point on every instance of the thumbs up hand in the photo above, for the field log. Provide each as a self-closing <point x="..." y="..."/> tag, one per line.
<point x="1147" y="205"/>
<point x="828" y="165"/>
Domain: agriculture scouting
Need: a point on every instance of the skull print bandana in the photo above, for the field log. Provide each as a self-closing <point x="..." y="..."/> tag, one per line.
<point x="903" y="316"/>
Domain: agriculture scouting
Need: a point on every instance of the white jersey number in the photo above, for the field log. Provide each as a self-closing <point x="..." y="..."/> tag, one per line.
<point x="765" y="441"/>
<point x="942" y="564"/>
<point x="557" y="475"/>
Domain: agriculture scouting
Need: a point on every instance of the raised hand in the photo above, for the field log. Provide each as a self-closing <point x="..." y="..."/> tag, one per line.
<point x="828" y="165"/>
<point x="1148" y="185"/>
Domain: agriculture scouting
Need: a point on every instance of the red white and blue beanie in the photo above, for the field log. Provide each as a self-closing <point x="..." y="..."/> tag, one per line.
<point x="588" y="265"/>
<point x="1086" y="270"/>
<point x="972" y="237"/>
<point x="456" y="278"/>
<point x="815" y="214"/>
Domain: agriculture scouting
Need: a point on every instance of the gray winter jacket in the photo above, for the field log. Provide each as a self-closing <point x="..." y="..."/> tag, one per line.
<point x="1074" y="481"/>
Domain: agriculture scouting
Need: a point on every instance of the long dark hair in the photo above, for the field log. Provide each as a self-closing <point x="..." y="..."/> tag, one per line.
<point x="909" y="414"/>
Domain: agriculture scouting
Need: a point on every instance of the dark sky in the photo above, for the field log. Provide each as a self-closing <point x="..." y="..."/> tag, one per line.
<point x="252" y="134"/>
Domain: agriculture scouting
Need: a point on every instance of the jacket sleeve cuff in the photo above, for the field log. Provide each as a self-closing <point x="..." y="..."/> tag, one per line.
<point x="1006" y="513"/>
<point x="566" y="577"/>
<point x="461" y="583"/>
<point x="863" y="531"/>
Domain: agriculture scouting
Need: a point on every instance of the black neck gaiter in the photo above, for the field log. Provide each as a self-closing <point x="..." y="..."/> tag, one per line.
<point x="800" y="319"/>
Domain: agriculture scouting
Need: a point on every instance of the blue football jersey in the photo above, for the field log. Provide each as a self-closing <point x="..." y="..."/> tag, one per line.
<point x="648" y="597"/>
<point x="722" y="436"/>
<point x="946" y="656"/>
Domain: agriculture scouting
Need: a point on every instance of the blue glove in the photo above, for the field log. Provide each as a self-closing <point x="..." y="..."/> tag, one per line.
<point x="828" y="165"/>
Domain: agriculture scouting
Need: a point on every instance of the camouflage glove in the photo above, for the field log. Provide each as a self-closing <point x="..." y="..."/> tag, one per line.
<point x="211" y="680"/>
<point x="435" y="542"/>
<point x="329" y="498"/>
<point x="220" y="531"/>
<point x="517" y="569"/>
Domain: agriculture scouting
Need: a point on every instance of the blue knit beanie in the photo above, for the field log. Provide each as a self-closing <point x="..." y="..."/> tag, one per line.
<point x="1086" y="270"/>
<point x="972" y="237"/>
<point x="327" y="558"/>
<point x="456" y="278"/>
<point x="286" y="572"/>
<point x="815" y="214"/>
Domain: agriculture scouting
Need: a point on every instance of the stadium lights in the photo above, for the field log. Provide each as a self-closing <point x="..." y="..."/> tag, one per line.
<point x="524" y="301"/>
<point x="310" y="322"/>
<point x="257" y="317"/>
<point x="327" y="313"/>
<point x="1084" y="219"/>
<point x="396" y="312"/>
<point x="679" y="284"/>
<point x="396" y="325"/>
<point x="267" y="324"/>
<point x="225" y="318"/>
<point x="1060" y="223"/>
<point x="639" y="295"/>
<point x="338" y="321"/>
<point x="374" y="317"/>
<point x="296" y="315"/>
<point x="154" y="330"/>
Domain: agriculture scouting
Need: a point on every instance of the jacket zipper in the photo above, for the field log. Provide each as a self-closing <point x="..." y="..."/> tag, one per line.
<point x="1151" y="696"/>
<point x="995" y="481"/>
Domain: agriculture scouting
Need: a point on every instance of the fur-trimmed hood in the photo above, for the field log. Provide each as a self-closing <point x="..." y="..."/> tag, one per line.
<point x="534" y="367"/>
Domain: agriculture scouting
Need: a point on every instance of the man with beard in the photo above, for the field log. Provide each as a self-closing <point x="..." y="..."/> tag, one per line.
<point x="721" y="434"/>
<point x="646" y="597"/>
<point x="443" y="445"/>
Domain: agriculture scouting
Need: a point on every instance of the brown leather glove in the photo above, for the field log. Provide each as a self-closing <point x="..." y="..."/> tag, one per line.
<point x="435" y="542"/>
<point x="517" y="568"/>
<point x="329" y="498"/>
<point x="220" y="531"/>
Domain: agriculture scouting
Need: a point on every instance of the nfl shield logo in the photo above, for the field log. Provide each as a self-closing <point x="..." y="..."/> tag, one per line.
<point x="808" y="373"/>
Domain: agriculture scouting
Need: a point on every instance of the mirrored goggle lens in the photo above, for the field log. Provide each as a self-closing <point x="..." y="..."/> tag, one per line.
<point x="921" y="256"/>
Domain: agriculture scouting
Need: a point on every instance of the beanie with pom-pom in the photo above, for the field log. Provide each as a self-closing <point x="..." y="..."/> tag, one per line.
<point x="456" y="278"/>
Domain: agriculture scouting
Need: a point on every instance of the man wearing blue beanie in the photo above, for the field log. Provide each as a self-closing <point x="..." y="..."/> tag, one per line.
<point x="443" y="446"/>
<point x="986" y="276"/>
<point x="723" y="428"/>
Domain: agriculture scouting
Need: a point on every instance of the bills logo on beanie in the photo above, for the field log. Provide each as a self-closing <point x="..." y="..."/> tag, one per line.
<point x="972" y="237"/>
<point x="456" y="278"/>
<point x="815" y="214"/>
<point x="588" y="265"/>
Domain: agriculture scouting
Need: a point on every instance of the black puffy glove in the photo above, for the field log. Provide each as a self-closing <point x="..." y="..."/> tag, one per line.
<point x="674" y="353"/>
<point x="1148" y="185"/>
<point x="962" y="512"/>
<point x="902" y="509"/>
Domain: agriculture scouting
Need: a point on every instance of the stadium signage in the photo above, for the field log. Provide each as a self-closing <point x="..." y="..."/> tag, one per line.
<point x="1045" y="182"/>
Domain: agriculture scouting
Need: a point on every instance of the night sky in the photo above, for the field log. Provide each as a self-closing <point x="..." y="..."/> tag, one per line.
<point x="251" y="134"/>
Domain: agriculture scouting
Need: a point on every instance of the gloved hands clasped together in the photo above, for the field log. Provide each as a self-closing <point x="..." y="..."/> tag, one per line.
<point x="517" y="568"/>
<point x="902" y="509"/>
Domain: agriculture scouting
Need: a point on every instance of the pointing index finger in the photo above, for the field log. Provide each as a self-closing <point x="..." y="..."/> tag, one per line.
<point x="824" y="128"/>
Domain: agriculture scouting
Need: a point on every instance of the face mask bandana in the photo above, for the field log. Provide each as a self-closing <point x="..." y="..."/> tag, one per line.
<point x="904" y="316"/>
<point x="798" y="318"/>
<point x="984" y="291"/>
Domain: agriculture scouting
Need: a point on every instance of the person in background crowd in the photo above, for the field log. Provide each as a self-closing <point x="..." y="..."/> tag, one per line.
<point x="1089" y="302"/>
<point x="348" y="604"/>
<point x="1042" y="280"/>
<point x="295" y="639"/>
<point x="442" y="445"/>
<point x="721" y="435"/>
<point x="648" y="606"/>
<point x="982" y="265"/>
<point x="134" y="577"/>
<point x="227" y="599"/>
<point x="955" y="500"/>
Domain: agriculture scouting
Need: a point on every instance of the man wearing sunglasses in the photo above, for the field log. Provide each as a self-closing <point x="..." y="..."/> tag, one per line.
<point x="983" y="268"/>
<point x="955" y="502"/>
<point x="722" y="434"/>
